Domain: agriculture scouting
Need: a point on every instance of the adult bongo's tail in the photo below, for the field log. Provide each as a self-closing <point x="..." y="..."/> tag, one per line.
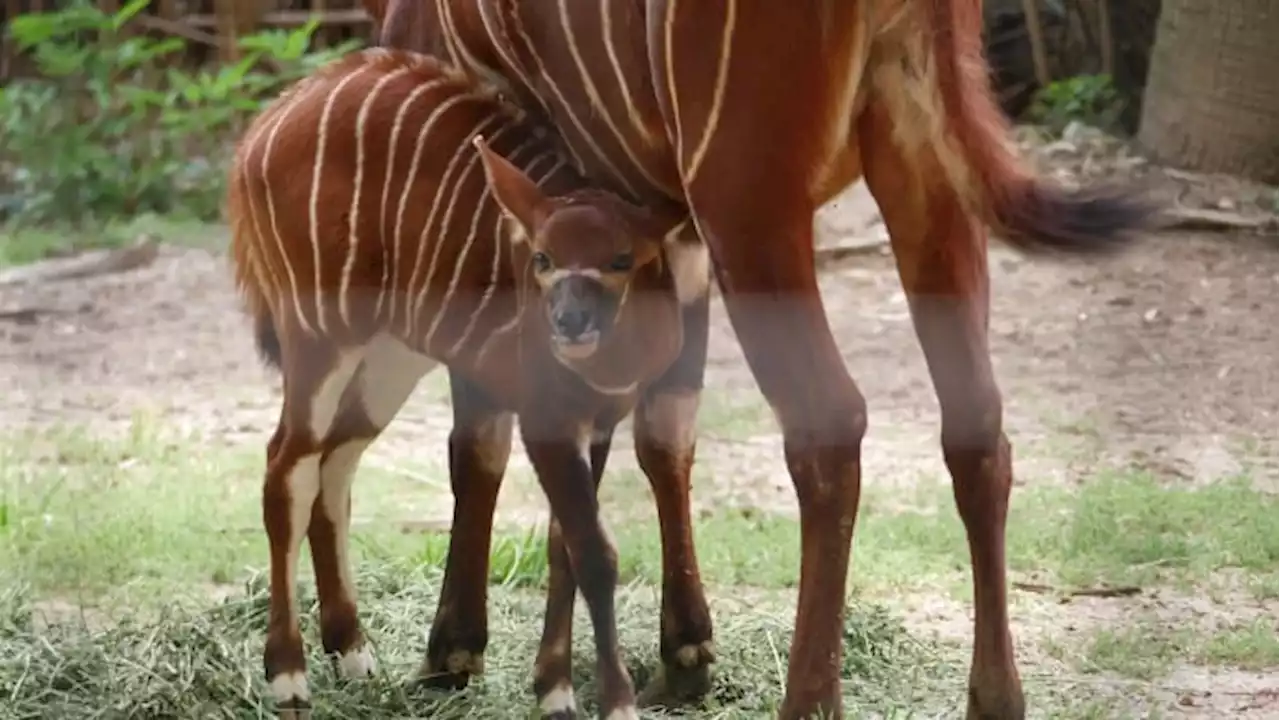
<point x="1025" y="210"/>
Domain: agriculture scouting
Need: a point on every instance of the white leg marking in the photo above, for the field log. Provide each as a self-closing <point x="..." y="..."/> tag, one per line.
<point x="357" y="663"/>
<point x="328" y="397"/>
<point x="559" y="699"/>
<point x="391" y="372"/>
<point x="317" y="174"/>
<point x="304" y="486"/>
<point x="690" y="262"/>
<point x="353" y="237"/>
<point x="336" y="476"/>
<point x="717" y="97"/>
<point x="290" y="687"/>
<point x="304" y="478"/>
<point x="626" y="712"/>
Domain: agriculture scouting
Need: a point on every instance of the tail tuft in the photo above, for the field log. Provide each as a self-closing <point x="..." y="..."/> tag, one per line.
<point x="266" y="338"/>
<point x="1040" y="218"/>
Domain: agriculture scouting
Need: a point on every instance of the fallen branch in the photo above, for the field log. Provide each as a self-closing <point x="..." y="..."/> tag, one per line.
<point x="836" y="253"/>
<point x="172" y="27"/>
<point x="28" y="315"/>
<point x="1186" y="218"/>
<point x="1103" y="592"/>
<point x="97" y="262"/>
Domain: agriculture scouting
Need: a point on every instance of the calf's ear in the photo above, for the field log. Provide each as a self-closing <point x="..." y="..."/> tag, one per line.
<point x="518" y="196"/>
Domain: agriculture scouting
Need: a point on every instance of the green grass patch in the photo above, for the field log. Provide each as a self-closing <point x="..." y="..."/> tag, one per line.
<point x="1131" y="529"/>
<point x="1144" y="651"/>
<point x="1249" y="646"/>
<point x="93" y="515"/>
<point x="735" y="415"/>
<point x="125" y="541"/>
<point x="1149" y="649"/>
<point x="193" y="659"/>
<point x="22" y="245"/>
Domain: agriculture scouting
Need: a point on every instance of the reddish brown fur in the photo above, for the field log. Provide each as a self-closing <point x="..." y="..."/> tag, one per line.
<point x="366" y="262"/>
<point x="752" y="114"/>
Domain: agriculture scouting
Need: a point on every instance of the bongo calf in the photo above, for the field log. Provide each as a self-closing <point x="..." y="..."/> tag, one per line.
<point x="389" y="215"/>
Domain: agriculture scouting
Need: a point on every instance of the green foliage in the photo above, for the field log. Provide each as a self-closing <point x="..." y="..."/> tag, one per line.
<point x="1090" y="99"/>
<point x="114" y="126"/>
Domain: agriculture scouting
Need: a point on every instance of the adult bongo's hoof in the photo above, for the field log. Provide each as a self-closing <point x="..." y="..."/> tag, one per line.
<point x="453" y="672"/>
<point x="684" y="681"/>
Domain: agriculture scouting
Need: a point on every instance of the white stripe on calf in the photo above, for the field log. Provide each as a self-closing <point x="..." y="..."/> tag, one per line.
<point x="353" y="236"/>
<point x="313" y="203"/>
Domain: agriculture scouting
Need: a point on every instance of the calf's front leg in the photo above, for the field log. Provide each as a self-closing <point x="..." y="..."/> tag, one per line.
<point x="553" y="667"/>
<point x="558" y="450"/>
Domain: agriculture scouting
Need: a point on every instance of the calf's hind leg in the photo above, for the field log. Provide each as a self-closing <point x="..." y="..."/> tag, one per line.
<point x="942" y="259"/>
<point x="316" y="375"/>
<point x="479" y="448"/>
<point x="385" y="378"/>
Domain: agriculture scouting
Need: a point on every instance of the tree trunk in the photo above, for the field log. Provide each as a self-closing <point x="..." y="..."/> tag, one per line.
<point x="1210" y="102"/>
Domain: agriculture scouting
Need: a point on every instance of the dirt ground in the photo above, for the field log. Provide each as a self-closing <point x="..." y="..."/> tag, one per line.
<point x="1164" y="358"/>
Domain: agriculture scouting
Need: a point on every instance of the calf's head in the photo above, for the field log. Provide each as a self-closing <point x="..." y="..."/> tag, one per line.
<point x="585" y="251"/>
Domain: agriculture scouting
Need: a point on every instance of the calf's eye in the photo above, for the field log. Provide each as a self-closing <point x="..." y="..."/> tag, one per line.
<point x="541" y="262"/>
<point x="622" y="262"/>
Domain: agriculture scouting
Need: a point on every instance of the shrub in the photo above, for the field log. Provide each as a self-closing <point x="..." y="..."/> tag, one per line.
<point x="112" y="127"/>
<point x="1090" y="99"/>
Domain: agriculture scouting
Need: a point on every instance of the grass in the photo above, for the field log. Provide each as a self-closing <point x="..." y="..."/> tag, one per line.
<point x="19" y="245"/>
<point x="127" y="543"/>
<point x="187" y="661"/>
<point x="1149" y="649"/>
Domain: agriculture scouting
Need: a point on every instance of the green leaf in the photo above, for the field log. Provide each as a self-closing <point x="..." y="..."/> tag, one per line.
<point x="127" y="13"/>
<point x="32" y="29"/>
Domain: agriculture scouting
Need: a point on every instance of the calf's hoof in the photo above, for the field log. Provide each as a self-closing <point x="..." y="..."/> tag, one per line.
<point x="299" y="712"/>
<point x="292" y="696"/>
<point x="356" y="664"/>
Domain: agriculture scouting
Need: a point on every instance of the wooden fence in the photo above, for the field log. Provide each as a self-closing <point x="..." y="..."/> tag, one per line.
<point x="210" y="26"/>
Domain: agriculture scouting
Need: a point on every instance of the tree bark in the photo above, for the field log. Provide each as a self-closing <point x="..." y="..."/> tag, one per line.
<point x="1210" y="102"/>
